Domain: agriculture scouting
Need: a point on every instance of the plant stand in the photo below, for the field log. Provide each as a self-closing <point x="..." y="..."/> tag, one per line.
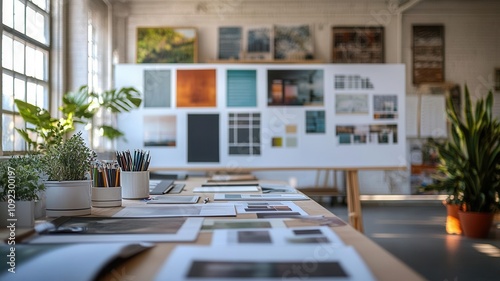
<point x="68" y="198"/>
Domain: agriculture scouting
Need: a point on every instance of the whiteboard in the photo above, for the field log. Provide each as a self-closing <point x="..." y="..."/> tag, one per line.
<point x="362" y="124"/>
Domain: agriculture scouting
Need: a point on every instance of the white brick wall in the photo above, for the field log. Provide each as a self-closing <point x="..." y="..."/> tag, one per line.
<point x="472" y="39"/>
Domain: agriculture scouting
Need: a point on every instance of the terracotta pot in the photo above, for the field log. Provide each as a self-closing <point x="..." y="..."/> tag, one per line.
<point x="453" y="225"/>
<point x="476" y="224"/>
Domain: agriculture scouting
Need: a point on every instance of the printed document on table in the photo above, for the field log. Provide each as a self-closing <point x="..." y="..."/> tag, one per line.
<point x="179" y="210"/>
<point x="232" y="188"/>
<point x="314" y="235"/>
<point x="256" y="262"/>
<point x="110" y="229"/>
<point x="268" y="207"/>
<point x="212" y="224"/>
<point x="258" y="197"/>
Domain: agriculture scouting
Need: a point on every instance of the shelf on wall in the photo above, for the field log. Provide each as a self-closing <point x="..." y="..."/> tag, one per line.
<point x="268" y="61"/>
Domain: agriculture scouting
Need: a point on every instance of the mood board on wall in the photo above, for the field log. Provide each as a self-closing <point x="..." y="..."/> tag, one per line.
<point x="266" y="115"/>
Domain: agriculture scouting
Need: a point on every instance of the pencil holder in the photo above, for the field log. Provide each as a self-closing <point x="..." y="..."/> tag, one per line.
<point x="135" y="185"/>
<point x="107" y="196"/>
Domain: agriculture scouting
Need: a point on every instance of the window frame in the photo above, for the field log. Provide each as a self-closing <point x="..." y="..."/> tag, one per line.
<point x="35" y="44"/>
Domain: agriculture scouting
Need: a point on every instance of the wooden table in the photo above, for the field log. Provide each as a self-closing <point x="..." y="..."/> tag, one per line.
<point x="144" y="266"/>
<point x="352" y="183"/>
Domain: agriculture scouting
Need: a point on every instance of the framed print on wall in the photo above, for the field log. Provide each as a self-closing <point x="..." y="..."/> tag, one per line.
<point x="428" y="54"/>
<point x="358" y="44"/>
<point x="293" y="42"/>
<point x="230" y="39"/>
<point x="166" y="45"/>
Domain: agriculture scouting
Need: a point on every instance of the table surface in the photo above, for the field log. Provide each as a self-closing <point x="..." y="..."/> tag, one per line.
<point x="145" y="266"/>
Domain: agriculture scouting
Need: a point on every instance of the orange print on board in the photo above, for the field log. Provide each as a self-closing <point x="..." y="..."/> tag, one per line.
<point x="196" y="88"/>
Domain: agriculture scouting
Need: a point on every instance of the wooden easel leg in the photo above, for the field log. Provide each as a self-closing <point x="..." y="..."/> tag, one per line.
<point x="353" y="203"/>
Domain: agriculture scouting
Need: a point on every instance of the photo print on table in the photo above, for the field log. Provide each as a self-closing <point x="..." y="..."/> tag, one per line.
<point x="276" y="236"/>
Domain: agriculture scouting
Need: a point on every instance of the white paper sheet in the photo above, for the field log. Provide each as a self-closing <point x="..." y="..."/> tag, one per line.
<point x="179" y="210"/>
<point x="212" y="224"/>
<point x="319" y="263"/>
<point x="412" y="116"/>
<point x="259" y="197"/>
<point x="432" y="116"/>
<point x="232" y="188"/>
<point x="174" y="199"/>
<point x="268" y="207"/>
<point x="169" y="232"/>
<point x="276" y="237"/>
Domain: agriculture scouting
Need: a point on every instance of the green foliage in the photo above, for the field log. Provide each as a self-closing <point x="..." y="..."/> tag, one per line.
<point x="20" y="176"/>
<point x="77" y="108"/>
<point x="68" y="160"/>
<point x="469" y="167"/>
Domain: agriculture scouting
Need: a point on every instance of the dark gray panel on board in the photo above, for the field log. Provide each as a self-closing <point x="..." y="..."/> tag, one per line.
<point x="203" y="138"/>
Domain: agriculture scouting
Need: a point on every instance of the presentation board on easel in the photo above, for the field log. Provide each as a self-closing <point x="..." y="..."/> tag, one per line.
<point x="266" y="115"/>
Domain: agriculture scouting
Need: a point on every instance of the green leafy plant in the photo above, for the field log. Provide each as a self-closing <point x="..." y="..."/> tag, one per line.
<point x="68" y="160"/>
<point x="20" y="178"/>
<point x="77" y="108"/>
<point x="469" y="168"/>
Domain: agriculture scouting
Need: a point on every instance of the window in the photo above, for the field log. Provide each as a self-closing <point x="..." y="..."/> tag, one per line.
<point x="25" y="59"/>
<point x="97" y="71"/>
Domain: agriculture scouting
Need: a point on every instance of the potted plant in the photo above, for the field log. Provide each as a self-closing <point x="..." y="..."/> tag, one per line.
<point x="67" y="165"/>
<point x="20" y="187"/>
<point x="77" y="107"/>
<point x="470" y="164"/>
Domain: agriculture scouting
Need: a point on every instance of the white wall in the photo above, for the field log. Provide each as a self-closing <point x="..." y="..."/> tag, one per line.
<point x="472" y="39"/>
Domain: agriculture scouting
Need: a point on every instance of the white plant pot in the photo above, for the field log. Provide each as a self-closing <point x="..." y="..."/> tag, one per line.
<point x="106" y="196"/>
<point x="23" y="211"/>
<point x="68" y="198"/>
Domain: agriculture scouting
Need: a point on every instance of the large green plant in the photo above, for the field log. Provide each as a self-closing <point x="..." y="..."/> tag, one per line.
<point x="77" y="108"/>
<point x="68" y="160"/>
<point x="20" y="178"/>
<point x="469" y="165"/>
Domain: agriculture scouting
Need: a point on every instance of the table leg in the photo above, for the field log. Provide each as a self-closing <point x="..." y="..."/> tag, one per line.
<point x="353" y="203"/>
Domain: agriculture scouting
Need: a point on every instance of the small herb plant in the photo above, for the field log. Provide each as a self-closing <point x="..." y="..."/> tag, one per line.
<point x="68" y="160"/>
<point x="20" y="178"/>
